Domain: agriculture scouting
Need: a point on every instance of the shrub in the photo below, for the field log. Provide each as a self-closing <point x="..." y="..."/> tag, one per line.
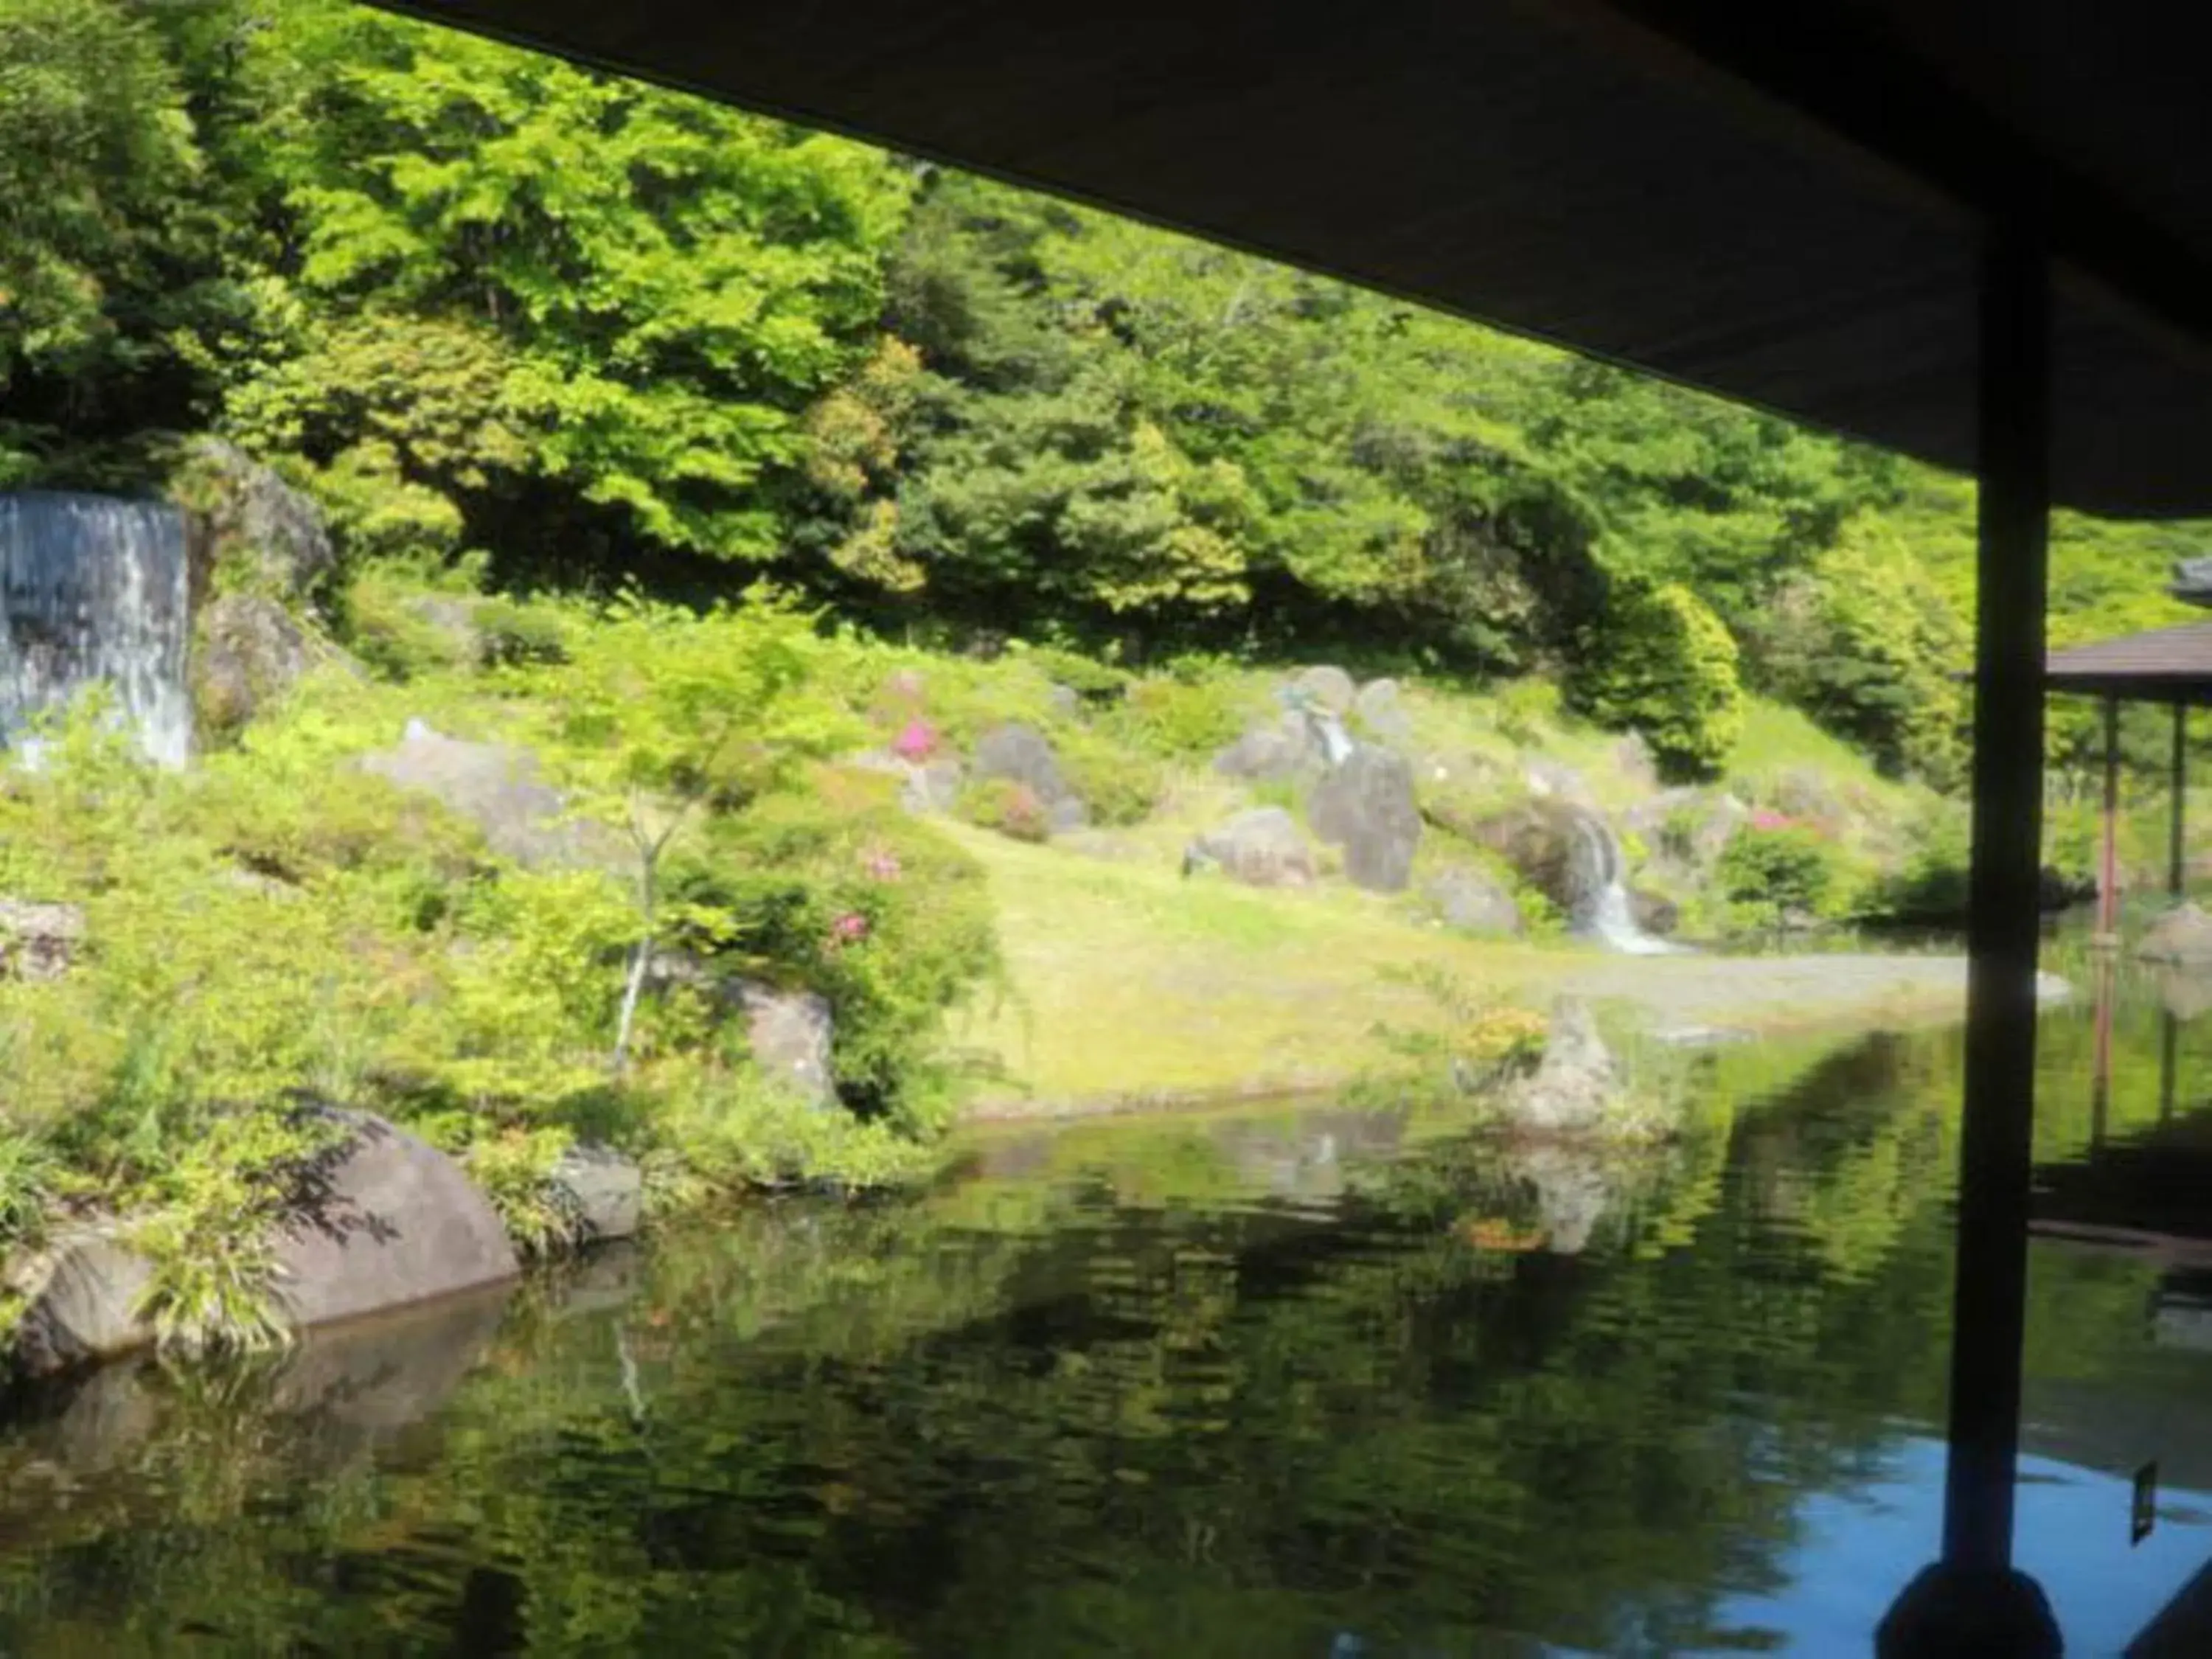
<point x="1119" y="784"/>
<point x="1661" y="663"/>
<point x="1774" y="869"/>
<point x="1178" y="719"/>
<point x="1012" y="809"/>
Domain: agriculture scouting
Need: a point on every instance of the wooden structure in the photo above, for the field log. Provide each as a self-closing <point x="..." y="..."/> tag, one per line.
<point x="1978" y="233"/>
<point x="2170" y="666"/>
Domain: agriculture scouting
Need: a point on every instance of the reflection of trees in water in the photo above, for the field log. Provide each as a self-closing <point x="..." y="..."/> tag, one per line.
<point x="1217" y="1390"/>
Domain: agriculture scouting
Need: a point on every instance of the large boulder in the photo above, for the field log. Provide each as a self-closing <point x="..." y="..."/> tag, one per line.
<point x="384" y="1220"/>
<point x="1576" y="1084"/>
<point x="38" y="939"/>
<point x="1365" y="806"/>
<point x="1282" y="751"/>
<point x="1263" y="847"/>
<point x="599" y="1191"/>
<point x="1326" y="686"/>
<point x="1381" y="711"/>
<point x="1654" y="913"/>
<point x="1023" y="755"/>
<point x="1545" y="843"/>
<point x="261" y="534"/>
<point x="1471" y="901"/>
<point x="2183" y="936"/>
<point x="250" y="653"/>
<point x="79" y="1297"/>
<point x="790" y="1034"/>
<point x="499" y="789"/>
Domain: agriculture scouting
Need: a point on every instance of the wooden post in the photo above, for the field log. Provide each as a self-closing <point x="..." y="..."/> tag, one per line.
<point x="2177" y="803"/>
<point x="2108" y="858"/>
<point x="2003" y="928"/>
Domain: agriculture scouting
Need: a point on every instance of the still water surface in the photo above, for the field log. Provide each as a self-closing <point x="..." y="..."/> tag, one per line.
<point x="1307" y="1381"/>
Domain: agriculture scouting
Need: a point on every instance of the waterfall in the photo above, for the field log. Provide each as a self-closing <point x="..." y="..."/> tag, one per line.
<point x="1335" y="742"/>
<point x="93" y="590"/>
<point x="1601" y="909"/>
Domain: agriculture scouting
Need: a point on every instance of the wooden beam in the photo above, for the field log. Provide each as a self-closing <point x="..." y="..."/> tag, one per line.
<point x="2108" y="856"/>
<point x="2003" y="923"/>
<point x="2177" y="803"/>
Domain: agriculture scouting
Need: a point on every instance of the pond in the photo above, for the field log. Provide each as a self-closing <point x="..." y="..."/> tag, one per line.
<point x="1306" y="1381"/>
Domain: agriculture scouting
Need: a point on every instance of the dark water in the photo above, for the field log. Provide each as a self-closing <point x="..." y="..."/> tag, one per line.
<point x="1309" y="1382"/>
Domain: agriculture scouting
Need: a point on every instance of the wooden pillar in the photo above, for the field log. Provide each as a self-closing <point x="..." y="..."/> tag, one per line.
<point x="2108" y="853"/>
<point x="2177" y="803"/>
<point x="2004" y="920"/>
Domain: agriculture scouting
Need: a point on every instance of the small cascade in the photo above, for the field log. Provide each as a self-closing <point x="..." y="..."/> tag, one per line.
<point x="1602" y="910"/>
<point x="95" y="590"/>
<point x="1336" y="743"/>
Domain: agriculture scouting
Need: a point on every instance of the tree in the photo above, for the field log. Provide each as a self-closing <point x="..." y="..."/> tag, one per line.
<point x="661" y="714"/>
<point x="1661" y="663"/>
<point x="99" y="167"/>
<point x="651" y="286"/>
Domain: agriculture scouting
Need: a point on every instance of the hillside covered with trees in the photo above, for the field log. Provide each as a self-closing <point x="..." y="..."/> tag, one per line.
<point x="478" y="298"/>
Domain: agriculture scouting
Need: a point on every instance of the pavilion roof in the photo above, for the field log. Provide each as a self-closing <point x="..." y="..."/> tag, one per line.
<point x="2164" y="665"/>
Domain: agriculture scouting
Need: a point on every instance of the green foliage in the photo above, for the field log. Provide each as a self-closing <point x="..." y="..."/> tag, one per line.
<point x="101" y="258"/>
<point x="1662" y="664"/>
<point x="1864" y="641"/>
<point x="1772" y="872"/>
<point x="1184" y="716"/>
<point x="1008" y="805"/>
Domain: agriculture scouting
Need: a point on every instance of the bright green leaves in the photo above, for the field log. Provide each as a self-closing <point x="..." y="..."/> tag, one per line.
<point x="640" y="290"/>
<point x="1661" y="663"/>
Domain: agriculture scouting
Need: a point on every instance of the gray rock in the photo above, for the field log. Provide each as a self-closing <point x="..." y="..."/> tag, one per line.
<point x="2182" y="935"/>
<point x="1329" y="687"/>
<point x="602" y="1191"/>
<point x="81" y="1295"/>
<point x="386" y="1220"/>
<point x="249" y="654"/>
<point x="1022" y="754"/>
<point x="1632" y="759"/>
<point x="1655" y="913"/>
<point x="790" y="1033"/>
<point x="1064" y="700"/>
<point x="1366" y="807"/>
<point x="38" y="940"/>
<point x="1381" y="711"/>
<point x="1281" y="750"/>
<point x="253" y="524"/>
<point x="1551" y="780"/>
<point x="925" y="787"/>
<point x="1263" y="847"/>
<point x="383" y="1221"/>
<point x="1572" y="1194"/>
<point x="1687" y="830"/>
<point x="1575" y="1084"/>
<point x="933" y="787"/>
<point x="1471" y="901"/>
<point x="497" y="788"/>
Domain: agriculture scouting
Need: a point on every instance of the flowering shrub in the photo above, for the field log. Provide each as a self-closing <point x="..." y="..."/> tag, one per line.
<point x="917" y="741"/>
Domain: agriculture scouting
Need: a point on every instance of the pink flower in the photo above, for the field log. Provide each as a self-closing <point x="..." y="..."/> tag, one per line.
<point x="880" y="864"/>
<point x="917" y="742"/>
<point x="1764" y="819"/>
<point x="848" y="929"/>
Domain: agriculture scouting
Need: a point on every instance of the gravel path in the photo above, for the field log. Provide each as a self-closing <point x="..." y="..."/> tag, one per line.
<point x="1762" y="993"/>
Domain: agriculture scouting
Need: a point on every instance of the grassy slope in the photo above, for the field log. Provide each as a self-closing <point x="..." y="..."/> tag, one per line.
<point x="1135" y="982"/>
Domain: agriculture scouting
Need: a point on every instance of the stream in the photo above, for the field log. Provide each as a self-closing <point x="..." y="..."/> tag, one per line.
<point x="1299" y="1380"/>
